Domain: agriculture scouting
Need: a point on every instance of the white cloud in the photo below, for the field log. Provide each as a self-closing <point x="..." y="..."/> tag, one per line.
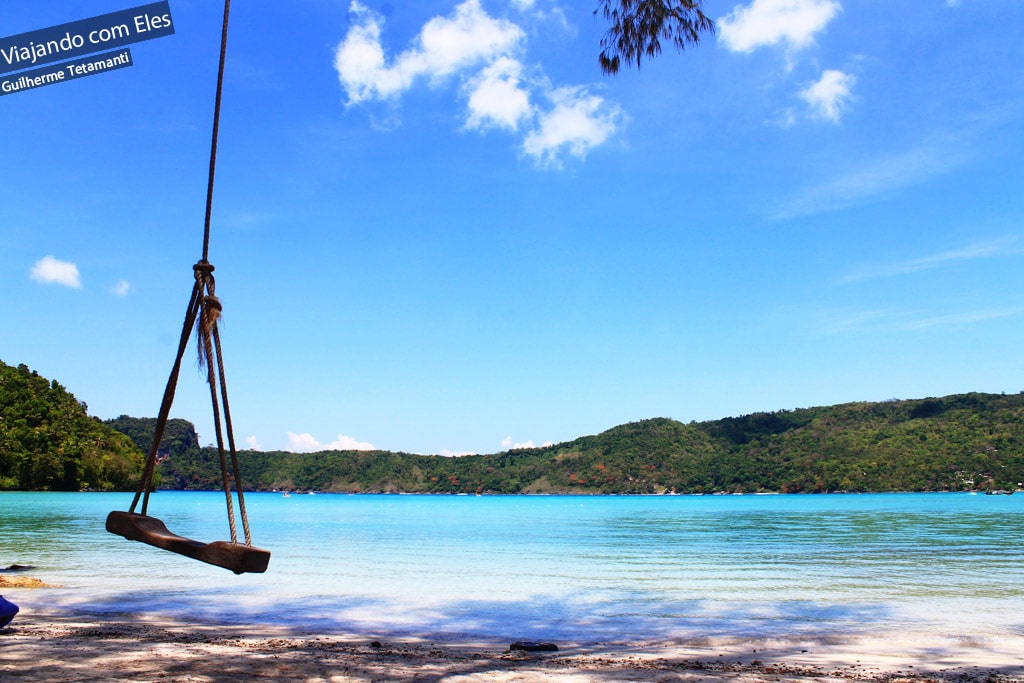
<point x="303" y="443"/>
<point x="306" y="443"/>
<point x="470" y="37"/>
<point x="971" y="252"/>
<point x="49" y="270"/>
<point x="829" y="94"/>
<point x="577" y="123"/>
<point x="444" y="45"/>
<point x="553" y="14"/>
<point x="497" y="98"/>
<point x="964" y="318"/>
<point x="347" y="443"/>
<point x="770" y="22"/>
<point x="253" y="443"/>
<point x="893" y="320"/>
<point x="508" y="444"/>
<point x="454" y="454"/>
<point x="484" y="54"/>
<point x="359" y="60"/>
<point x="785" y="118"/>
<point x="878" y="177"/>
<point x="121" y="288"/>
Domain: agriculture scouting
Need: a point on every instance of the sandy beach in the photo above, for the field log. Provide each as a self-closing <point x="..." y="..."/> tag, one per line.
<point x="39" y="647"/>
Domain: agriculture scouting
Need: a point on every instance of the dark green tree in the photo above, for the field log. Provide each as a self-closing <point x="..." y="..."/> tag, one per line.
<point x="953" y="443"/>
<point x="48" y="441"/>
<point x="639" y="26"/>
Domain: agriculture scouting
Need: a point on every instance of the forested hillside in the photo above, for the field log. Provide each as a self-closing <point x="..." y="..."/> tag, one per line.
<point x="49" y="442"/>
<point x="179" y="454"/>
<point x="960" y="442"/>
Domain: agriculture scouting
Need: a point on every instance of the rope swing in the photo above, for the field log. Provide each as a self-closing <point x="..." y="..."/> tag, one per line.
<point x="203" y="313"/>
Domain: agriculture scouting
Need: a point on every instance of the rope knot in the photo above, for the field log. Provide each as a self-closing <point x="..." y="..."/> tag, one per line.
<point x="203" y="269"/>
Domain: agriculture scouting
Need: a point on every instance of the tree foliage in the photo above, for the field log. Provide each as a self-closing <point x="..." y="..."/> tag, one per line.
<point x="49" y="442"/>
<point x="179" y="447"/>
<point x="639" y="26"/>
<point x="955" y="443"/>
<point x="959" y="442"/>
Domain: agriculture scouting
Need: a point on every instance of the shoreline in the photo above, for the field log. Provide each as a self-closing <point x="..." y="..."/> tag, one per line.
<point x="540" y="494"/>
<point x="41" y="647"/>
<point x="920" y="589"/>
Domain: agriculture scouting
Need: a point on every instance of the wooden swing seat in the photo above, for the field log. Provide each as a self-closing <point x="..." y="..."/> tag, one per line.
<point x="237" y="557"/>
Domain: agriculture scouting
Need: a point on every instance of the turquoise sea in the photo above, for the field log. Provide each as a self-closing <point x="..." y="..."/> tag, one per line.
<point x="581" y="568"/>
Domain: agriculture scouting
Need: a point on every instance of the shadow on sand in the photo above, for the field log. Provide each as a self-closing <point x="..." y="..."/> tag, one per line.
<point x="367" y="640"/>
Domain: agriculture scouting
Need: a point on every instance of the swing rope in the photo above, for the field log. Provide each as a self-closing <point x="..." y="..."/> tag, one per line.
<point x="203" y="312"/>
<point x="216" y="129"/>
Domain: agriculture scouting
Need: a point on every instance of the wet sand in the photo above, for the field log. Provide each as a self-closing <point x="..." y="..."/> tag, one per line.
<point x="38" y="647"/>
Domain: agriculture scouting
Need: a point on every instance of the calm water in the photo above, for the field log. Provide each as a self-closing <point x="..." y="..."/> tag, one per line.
<point x="559" y="567"/>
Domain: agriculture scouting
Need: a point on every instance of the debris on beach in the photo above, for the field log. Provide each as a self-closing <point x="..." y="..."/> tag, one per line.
<point x="24" y="582"/>
<point x="528" y="646"/>
<point x="7" y="611"/>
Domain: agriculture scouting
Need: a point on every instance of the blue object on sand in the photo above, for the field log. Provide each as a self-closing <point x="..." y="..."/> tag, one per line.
<point x="7" y="611"/>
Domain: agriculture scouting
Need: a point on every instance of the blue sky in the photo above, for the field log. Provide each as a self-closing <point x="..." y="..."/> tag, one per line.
<point x="439" y="229"/>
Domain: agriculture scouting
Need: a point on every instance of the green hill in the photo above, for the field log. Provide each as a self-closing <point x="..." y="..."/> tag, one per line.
<point x="960" y="442"/>
<point x="49" y="442"/>
<point x="964" y="441"/>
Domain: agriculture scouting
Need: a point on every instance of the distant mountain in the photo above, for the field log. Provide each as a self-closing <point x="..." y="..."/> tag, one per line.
<point x="960" y="442"/>
<point x="49" y="442"/>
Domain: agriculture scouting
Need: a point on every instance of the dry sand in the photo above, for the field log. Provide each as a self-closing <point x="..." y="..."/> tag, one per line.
<point x="53" y="647"/>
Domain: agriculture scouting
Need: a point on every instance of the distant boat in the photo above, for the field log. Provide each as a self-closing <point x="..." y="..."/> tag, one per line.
<point x="287" y="495"/>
